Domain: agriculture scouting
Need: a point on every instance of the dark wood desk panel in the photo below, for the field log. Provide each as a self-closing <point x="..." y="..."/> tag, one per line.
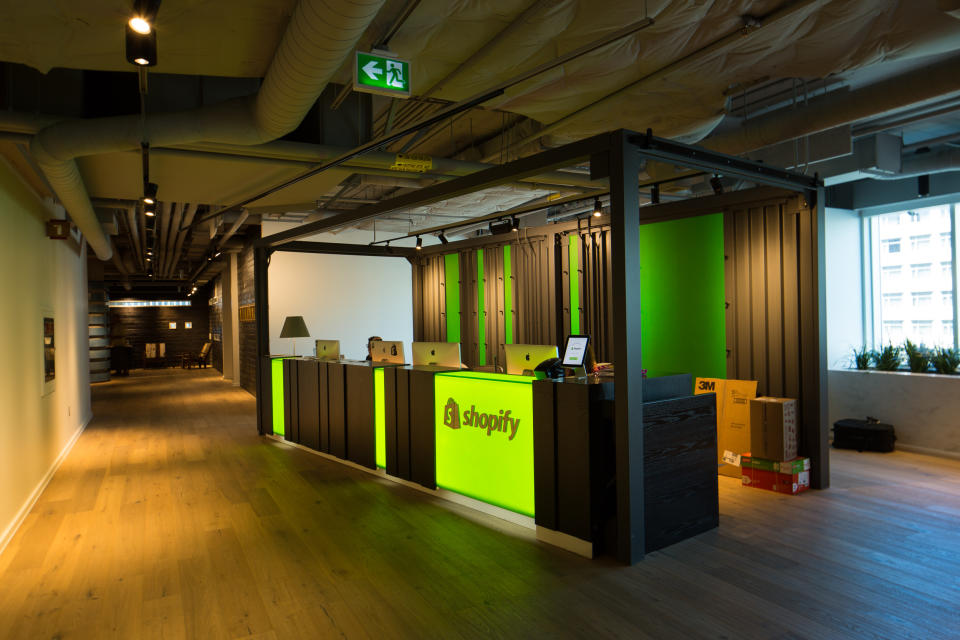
<point x="323" y="393"/>
<point x="360" y="413"/>
<point x="390" y="420"/>
<point x="545" y="454"/>
<point x="336" y="393"/>
<point x="423" y="436"/>
<point x="308" y="372"/>
<point x="291" y="409"/>
<point x="680" y="469"/>
<point x="403" y="423"/>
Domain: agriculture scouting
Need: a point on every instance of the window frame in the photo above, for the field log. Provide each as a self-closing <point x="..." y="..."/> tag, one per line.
<point x="872" y="249"/>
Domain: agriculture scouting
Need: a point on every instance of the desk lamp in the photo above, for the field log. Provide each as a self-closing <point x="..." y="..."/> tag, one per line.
<point x="294" y="327"/>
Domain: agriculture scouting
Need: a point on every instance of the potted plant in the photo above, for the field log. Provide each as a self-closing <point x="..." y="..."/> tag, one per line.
<point x="945" y="360"/>
<point x="888" y="358"/>
<point x="918" y="357"/>
<point x="862" y="358"/>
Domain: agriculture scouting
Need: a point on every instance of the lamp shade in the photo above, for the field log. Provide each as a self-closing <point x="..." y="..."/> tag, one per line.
<point x="294" y="327"/>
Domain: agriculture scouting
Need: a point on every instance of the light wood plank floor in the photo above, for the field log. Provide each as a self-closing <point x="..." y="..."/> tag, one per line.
<point x="171" y="518"/>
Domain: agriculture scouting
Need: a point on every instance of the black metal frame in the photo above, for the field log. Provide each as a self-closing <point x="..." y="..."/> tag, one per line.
<point x="615" y="155"/>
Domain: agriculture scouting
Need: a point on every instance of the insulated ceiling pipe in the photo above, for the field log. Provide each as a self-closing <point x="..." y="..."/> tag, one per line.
<point x="319" y="38"/>
<point x="840" y="107"/>
<point x="919" y="164"/>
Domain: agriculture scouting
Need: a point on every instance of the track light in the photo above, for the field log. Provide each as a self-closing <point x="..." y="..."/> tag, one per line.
<point x="443" y="238"/>
<point x="597" y="208"/>
<point x="150" y="193"/>
<point x="655" y="194"/>
<point x="216" y="255"/>
<point x="717" y="185"/>
<point x="923" y="186"/>
<point x="150" y="209"/>
<point x="419" y="243"/>
<point x="140" y="25"/>
<point x="514" y="223"/>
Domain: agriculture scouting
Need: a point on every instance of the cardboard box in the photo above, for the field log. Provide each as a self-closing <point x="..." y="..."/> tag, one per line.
<point x="733" y="419"/>
<point x="773" y="428"/>
<point x="789" y="483"/>
<point x="797" y="465"/>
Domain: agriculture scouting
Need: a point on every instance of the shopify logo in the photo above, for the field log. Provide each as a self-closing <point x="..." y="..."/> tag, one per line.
<point x="501" y="421"/>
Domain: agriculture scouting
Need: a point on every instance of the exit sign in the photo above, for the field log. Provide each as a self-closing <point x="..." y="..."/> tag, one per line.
<point x="388" y="76"/>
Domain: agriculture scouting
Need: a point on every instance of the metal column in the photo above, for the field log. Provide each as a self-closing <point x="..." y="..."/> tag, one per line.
<point x="624" y="167"/>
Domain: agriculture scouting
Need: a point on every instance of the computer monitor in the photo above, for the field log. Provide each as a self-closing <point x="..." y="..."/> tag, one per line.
<point x="444" y="354"/>
<point x="575" y="352"/>
<point x="387" y="351"/>
<point x="328" y="349"/>
<point x="526" y="357"/>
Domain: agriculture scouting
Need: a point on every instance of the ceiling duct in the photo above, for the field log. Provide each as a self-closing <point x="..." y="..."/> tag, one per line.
<point x="319" y="38"/>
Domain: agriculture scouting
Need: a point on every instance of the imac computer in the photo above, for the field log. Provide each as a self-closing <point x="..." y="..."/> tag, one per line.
<point x="387" y="351"/>
<point x="444" y="354"/>
<point x="328" y="349"/>
<point x="526" y="357"/>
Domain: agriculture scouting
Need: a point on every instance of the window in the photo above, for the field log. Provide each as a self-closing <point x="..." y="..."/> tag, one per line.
<point x="922" y="298"/>
<point x="913" y="295"/>
<point x="922" y="330"/>
<point x="920" y="271"/>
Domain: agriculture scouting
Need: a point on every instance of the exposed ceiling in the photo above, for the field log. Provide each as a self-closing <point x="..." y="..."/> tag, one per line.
<point x="703" y="67"/>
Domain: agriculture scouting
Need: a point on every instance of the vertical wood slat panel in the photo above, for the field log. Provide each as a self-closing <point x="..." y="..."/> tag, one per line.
<point x="774" y="296"/>
<point x="791" y="305"/>
<point x="493" y="299"/>
<point x="417" y="275"/>
<point x="730" y="277"/>
<point x="565" y="284"/>
<point x="742" y="296"/>
<point x="758" y="300"/>
<point x="468" y="303"/>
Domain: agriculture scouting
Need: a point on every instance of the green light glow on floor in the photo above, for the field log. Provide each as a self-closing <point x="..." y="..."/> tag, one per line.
<point x="484" y="437"/>
<point x="380" y="417"/>
<point x="276" y="380"/>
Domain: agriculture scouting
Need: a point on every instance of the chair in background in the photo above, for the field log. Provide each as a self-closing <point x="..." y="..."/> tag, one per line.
<point x="201" y="360"/>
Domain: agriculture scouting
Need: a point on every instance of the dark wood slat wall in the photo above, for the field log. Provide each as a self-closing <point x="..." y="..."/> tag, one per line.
<point x="535" y="291"/>
<point x="773" y="327"/>
<point x="595" y="314"/>
<point x="469" y="332"/>
<point x="493" y="303"/>
<point x="429" y="308"/>
<point x="247" y="329"/>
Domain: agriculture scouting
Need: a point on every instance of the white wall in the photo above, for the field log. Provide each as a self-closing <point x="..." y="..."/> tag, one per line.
<point x="923" y="408"/>
<point x="36" y="275"/>
<point x="844" y="286"/>
<point x="345" y="298"/>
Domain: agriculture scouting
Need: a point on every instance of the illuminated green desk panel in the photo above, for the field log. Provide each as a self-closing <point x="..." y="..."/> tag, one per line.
<point x="380" y="417"/>
<point x="484" y="437"/>
<point x="276" y="387"/>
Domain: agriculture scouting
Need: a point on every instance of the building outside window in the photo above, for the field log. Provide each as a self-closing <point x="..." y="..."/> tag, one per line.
<point x="912" y="263"/>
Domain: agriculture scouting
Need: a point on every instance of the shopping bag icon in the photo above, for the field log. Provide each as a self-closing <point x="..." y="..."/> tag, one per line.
<point x="451" y="414"/>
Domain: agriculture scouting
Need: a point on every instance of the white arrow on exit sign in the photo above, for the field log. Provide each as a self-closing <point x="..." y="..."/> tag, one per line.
<point x="373" y="69"/>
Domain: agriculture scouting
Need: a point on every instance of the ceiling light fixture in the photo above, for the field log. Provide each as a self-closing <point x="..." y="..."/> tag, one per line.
<point x="141" y="37"/>
<point x="149" y="211"/>
<point x="150" y="193"/>
<point x="923" y="186"/>
<point x="443" y="238"/>
<point x="717" y="185"/>
<point x="140" y="25"/>
<point x="514" y="223"/>
<point x="419" y="243"/>
<point x="597" y="208"/>
<point x="655" y="194"/>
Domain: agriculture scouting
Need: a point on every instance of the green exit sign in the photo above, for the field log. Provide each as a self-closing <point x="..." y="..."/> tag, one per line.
<point x="381" y="74"/>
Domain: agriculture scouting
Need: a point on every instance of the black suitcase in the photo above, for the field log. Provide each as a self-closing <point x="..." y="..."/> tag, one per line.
<point x="863" y="435"/>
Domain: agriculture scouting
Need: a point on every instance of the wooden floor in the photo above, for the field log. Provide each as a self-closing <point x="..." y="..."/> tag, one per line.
<point x="171" y="518"/>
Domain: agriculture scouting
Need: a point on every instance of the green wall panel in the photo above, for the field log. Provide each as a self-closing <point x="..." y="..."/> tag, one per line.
<point x="507" y="297"/>
<point x="573" y="249"/>
<point x="682" y="297"/>
<point x="451" y="278"/>
<point x="481" y="311"/>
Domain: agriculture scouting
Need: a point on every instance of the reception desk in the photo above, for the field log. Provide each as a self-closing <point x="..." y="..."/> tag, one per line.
<point x="539" y="448"/>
